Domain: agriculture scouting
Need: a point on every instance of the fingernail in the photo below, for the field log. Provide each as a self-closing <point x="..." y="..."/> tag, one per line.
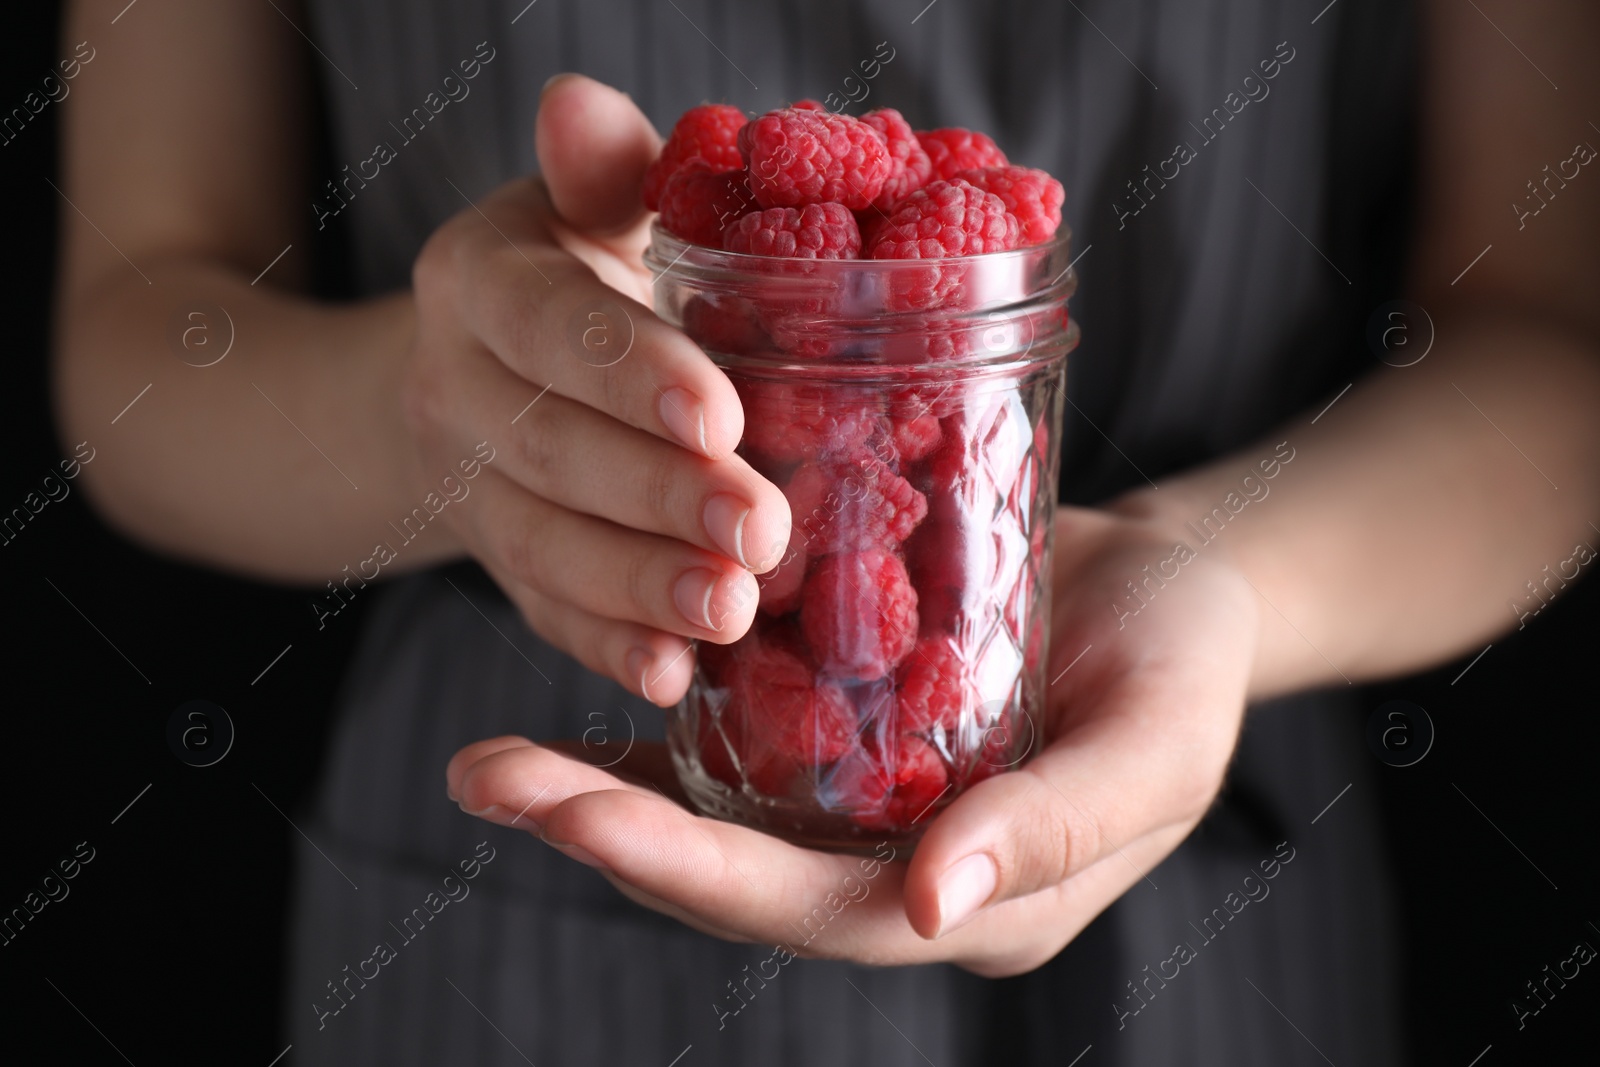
<point x="577" y="852"/>
<point x="693" y="595"/>
<point x="503" y="817"/>
<point x="493" y="813"/>
<point x="638" y="664"/>
<point x="450" y="791"/>
<point x="724" y="519"/>
<point x="965" y="888"/>
<point x="685" y="416"/>
<point x="545" y="88"/>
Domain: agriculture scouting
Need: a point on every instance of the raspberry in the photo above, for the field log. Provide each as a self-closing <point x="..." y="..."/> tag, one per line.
<point x="779" y="718"/>
<point x="940" y="220"/>
<point x="915" y="435"/>
<point x="859" y="614"/>
<point x="1031" y="195"/>
<point x="946" y="218"/>
<point x="807" y="104"/>
<point x="847" y="507"/>
<point x="941" y="399"/>
<point x="951" y="562"/>
<point x="727" y="327"/>
<point x="709" y="132"/>
<point x="698" y="203"/>
<point x="786" y="423"/>
<point x="816" y="231"/>
<point x="954" y="150"/>
<point x="936" y="687"/>
<point x="890" y="789"/>
<point x="796" y="157"/>
<point x="910" y="168"/>
<point x="984" y="452"/>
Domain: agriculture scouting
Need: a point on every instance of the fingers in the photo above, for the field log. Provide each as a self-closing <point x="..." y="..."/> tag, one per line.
<point x="742" y="881"/>
<point x="647" y="662"/>
<point x="593" y="145"/>
<point x="499" y="271"/>
<point x="1143" y="762"/>
<point x="553" y="322"/>
<point x="472" y="754"/>
<point x="611" y="571"/>
<point x="585" y="461"/>
<point x="510" y="781"/>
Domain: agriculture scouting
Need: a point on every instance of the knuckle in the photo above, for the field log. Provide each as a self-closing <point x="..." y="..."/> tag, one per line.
<point x="638" y="582"/>
<point x="524" y="327"/>
<point x="1056" y="843"/>
<point x="616" y="391"/>
<point x="540" y="452"/>
<point x="422" y="392"/>
<point x="659" y="487"/>
<point x="523" y="558"/>
<point x="434" y="268"/>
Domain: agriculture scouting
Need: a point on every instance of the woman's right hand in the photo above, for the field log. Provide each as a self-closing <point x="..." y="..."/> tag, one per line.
<point x="614" y="513"/>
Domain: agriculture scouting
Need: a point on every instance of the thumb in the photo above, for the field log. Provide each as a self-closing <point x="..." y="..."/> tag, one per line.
<point x="1104" y="788"/>
<point x="593" y="146"/>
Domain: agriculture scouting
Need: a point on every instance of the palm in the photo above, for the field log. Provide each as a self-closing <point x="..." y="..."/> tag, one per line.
<point x="1141" y="718"/>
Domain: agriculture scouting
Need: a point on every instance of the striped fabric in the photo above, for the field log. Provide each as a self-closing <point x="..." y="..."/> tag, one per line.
<point x="1214" y="303"/>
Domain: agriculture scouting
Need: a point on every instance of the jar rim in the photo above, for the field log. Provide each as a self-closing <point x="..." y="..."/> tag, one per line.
<point x="706" y="261"/>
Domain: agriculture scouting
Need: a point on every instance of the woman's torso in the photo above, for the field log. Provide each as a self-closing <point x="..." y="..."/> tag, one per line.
<point x="1211" y="305"/>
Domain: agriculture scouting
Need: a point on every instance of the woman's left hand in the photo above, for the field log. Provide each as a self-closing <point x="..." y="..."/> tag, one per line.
<point x="1140" y="722"/>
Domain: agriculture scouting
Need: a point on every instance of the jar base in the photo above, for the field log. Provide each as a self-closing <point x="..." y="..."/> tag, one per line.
<point x="821" y="831"/>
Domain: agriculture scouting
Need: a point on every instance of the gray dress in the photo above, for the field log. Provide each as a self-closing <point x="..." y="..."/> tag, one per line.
<point x="1219" y="287"/>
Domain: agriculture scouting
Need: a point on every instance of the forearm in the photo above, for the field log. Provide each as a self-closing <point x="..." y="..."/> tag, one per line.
<point x="1407" y="525"/>
<point x="285" y="459"/>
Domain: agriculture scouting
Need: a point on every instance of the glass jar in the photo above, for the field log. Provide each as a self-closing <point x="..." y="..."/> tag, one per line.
<point x="911" y="413"/>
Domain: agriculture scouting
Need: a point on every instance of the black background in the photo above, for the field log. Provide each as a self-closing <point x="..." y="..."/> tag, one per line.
<point x="170" y="940"/>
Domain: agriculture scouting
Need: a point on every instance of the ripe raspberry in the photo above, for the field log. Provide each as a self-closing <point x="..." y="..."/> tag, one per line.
<point x="852" y="506"/>
<point x="859" y="614"/>
<point x="911" y="168"/>
<point x="1031" y="195"/>
<point x="780" y="718"/>
<point x="915" y="435"/>
<point x="937" y="688"/>
<point x="954" y="150"/>
<point x="709" y="132"/>
<point x="698" y="203"/>
<point x="984" y="452"/>
<point x="727" y="327"/>
<point x="807" y="104"/>
<point x="786" y="423"/>
<point x="952" y="563"/>
<point x="930" y="397"/>
<point x="796" y="157"/>
<point x="816" y="231"/>
<point x="890" y="787"/>
<point x="946" y="218"/>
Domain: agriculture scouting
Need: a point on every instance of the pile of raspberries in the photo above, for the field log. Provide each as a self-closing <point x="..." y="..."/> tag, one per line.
<point x="882" y="673"/>
<point x="804" y="182"/>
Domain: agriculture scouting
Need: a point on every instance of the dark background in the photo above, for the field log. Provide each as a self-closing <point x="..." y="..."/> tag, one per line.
<point x="169" y="942"/>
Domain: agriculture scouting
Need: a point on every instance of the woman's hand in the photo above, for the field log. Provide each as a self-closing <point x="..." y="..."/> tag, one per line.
<point x="1140" y="722"/>
<point x="614" y="512"/>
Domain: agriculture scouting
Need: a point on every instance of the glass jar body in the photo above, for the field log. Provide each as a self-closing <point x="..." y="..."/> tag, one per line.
<point x="911" y="413"/>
